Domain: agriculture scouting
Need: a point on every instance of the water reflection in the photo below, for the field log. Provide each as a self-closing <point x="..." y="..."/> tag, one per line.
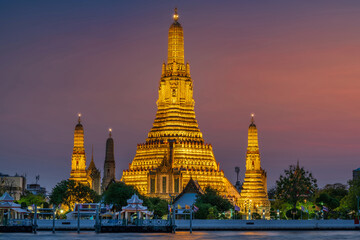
<point x="218" y="235"/>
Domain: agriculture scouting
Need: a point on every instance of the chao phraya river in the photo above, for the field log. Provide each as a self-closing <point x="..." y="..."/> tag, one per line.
<point x="243" y="235"/>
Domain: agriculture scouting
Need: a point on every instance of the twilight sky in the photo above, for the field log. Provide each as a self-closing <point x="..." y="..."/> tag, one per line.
<point x="295" y="64"/>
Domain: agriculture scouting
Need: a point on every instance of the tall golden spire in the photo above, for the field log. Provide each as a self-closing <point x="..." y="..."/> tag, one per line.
<point x="253" y="143"/>
<point x="252" y="154"/>
<point x="79" y="134"/>
<point x="174" y="151"/>
<point x="254" y="190"/>
<point x="176" y="41"/>
<point x="175" y="117"/>
<point x="78" y="159"/>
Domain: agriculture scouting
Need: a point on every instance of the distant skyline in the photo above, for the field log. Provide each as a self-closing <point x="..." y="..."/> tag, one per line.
<point x="295" y="64"/>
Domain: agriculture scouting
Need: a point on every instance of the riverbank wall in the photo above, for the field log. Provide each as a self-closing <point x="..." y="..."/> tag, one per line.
<point x="220" y="225"/>
<point x="266" y="225"/>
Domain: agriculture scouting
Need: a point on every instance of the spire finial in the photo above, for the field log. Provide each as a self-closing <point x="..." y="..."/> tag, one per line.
<point x="252" y="117"/>
<point x="110" y="130"/>
<point x="92" y="152"/>
<point x="176" y="16"/>
<point x="79" y="119"/>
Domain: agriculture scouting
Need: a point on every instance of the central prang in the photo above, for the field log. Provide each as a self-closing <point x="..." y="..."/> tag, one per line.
<point x="174" y="151"/>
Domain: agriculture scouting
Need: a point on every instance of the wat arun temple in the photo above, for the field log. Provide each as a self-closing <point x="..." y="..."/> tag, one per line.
<point x="174" y="151"/>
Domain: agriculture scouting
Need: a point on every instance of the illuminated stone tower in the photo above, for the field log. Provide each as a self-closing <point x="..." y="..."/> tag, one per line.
<point x="175" y="150"/>
<point x="90" y="176"/>
<point x="78" y="159"/>
<point x="93" y="175"/>
<point x="254" y="195"/>
<point x="109" y="164"/>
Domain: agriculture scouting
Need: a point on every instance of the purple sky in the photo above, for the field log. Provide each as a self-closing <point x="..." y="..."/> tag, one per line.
<point x="295" y="64"/>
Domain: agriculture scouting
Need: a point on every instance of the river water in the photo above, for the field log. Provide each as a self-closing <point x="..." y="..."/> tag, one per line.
<point x="218" y="235"/>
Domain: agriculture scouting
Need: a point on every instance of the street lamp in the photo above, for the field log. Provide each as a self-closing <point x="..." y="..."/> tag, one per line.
<point x="263" y="214"/>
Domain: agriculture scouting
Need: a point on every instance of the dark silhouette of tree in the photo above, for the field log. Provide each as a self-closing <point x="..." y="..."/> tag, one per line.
<point x="337" y="190"/>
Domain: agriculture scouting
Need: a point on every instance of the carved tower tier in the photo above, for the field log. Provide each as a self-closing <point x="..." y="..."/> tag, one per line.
<point x="94" y="175"/>
<point x="90" y="176"/>
<point x="175" y="150"/>
<point x="78" y="158"/>
<point x="254" y="195"/>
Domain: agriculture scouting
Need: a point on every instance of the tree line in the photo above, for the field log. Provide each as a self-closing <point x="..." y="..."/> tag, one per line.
<point x="296" y="195"/>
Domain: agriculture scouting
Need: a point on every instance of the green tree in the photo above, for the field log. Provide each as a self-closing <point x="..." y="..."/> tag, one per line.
<point x="350" y="202"/>
<point x="326" y="200"/>
<point x="30" y="199"/>
<point x="271" y="193"/>
<point x="211" y="199"/>
<point x="213" y="213"/>
<point x="336" y="190"/>
<point x="156" y="205"/>
<point x="69" y="192"/>
<point x="118" y="193"/>
<point x="203" y="211"/>
<point x="295" y="185"/>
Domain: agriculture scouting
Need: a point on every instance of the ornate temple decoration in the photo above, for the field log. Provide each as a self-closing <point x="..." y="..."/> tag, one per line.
<point x="93" y="175"/>
<point x="78" y="159"/>
<point x="109" y="163"/>
<point x="175" y="150"/>
<point x="254" y="195"/>
<point x="79" y="173"/>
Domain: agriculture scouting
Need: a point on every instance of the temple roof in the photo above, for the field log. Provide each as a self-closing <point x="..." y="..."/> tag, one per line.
<point x="192" y="187"/>
<point x="6" y="197"/>
<point x="92" y="166"/>
<point x="135" y="200"/>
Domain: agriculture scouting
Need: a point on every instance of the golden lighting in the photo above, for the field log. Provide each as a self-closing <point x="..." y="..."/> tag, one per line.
<point x="254" y="186"/>
<point x="79" y="173"/>
<point x="78" y="159"/>
<point x="175" y="16"/>
<point x="175" y="150"/>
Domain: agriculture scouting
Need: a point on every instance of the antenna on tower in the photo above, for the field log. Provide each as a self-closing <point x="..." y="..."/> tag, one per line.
<point x="37" y="178"/>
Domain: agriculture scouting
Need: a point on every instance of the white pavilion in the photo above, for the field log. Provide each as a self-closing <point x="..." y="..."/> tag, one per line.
<point x="135" y="207"/>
